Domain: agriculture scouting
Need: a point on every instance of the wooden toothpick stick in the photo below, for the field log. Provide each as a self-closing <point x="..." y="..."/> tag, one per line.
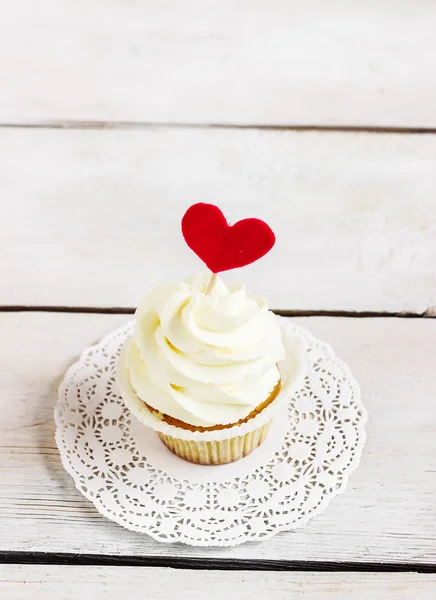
<point x="211" y="284"/>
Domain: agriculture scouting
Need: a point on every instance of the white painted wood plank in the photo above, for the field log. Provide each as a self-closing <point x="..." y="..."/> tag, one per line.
<point x="264" y="61"/>
<point x="92" y="218"/>
<point x="35" y="582"/>
<point x="387" y="513"/>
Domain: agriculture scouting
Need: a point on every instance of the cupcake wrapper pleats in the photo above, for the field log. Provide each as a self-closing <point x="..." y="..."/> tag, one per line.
<point x="218" y="452"/>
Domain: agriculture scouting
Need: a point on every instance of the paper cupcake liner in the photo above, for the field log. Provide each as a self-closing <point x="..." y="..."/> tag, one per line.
<point x="292" y="372"/>
<point x="219" y="452"/>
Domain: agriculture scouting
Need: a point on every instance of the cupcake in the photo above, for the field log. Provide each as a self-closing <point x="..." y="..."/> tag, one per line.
<point x="207" y="368"/>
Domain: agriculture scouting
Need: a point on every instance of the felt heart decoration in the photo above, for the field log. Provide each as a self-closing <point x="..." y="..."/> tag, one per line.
<point x="222" y="246"/>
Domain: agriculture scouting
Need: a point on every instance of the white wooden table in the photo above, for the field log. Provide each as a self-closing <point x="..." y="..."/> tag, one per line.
<point x="319" y="118"/>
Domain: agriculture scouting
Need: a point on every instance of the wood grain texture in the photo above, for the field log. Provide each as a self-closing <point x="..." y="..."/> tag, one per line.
<point x="92" y="218"/>
<point x="387" y="513"/>
<point x="19" y="582"/>
<point x="267" y="61"/>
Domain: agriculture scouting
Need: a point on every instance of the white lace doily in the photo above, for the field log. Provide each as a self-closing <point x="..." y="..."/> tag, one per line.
<point x="133" y="479"/>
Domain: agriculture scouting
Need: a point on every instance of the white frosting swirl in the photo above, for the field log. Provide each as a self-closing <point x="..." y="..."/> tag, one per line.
<point x="205" y="360"/>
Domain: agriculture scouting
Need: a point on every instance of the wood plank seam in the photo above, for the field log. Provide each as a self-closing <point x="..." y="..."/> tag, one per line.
<point x="174" y="562"/>
<point x="128" y="310"/>
<point x="143" y="125"/>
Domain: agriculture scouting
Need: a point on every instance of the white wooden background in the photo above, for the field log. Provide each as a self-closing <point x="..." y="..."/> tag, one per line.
<point x="318" y="117"/>
<point x="112" y="583"/>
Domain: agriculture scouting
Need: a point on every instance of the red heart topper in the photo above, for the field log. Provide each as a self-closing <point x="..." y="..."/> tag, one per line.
<point x="222" y="246"/>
